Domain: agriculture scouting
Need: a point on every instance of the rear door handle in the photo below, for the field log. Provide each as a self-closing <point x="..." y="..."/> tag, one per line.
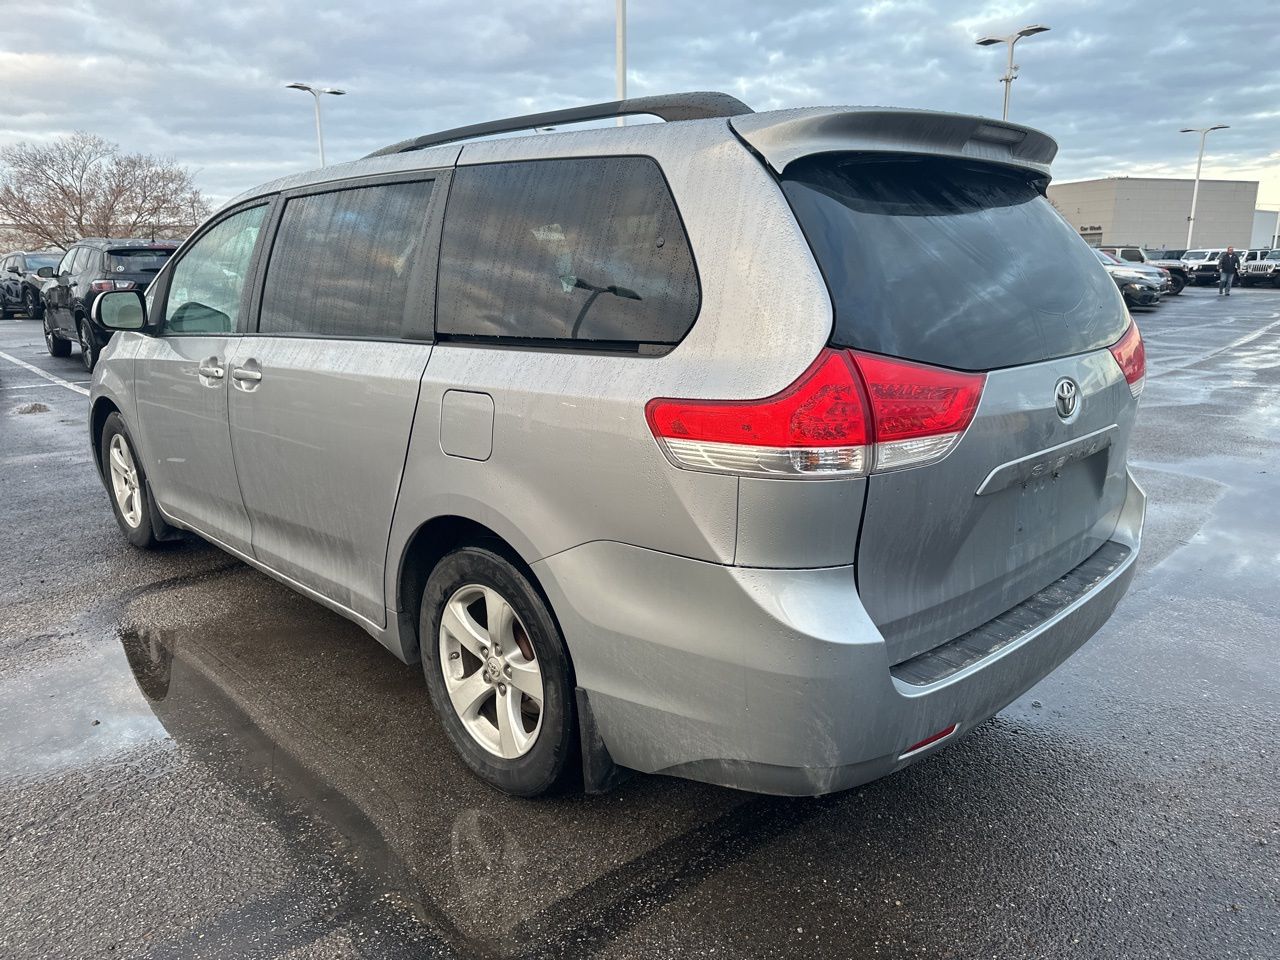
<point x="252" y="376"/>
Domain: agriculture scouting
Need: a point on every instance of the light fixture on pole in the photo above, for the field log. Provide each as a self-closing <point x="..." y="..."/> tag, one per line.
<point x="1011" y="72"/>
<point x="1195" y="189"/>
<point x="315" y="93"/>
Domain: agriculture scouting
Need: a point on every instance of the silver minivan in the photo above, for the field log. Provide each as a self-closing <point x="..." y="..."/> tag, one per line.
<point x="775" y="450"/>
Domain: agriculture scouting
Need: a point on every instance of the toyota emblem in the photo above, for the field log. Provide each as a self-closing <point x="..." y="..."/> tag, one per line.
<point x="1066" y="397"/>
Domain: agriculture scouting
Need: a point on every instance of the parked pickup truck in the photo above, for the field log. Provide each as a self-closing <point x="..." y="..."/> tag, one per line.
<point x="1133" y="253"/>
<point x="1263" y="270"/>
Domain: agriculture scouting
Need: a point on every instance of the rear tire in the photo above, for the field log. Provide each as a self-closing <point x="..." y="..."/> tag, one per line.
<point x="1178" y="283"/>
<point x="31" y="304"/>
<point x="469" y="588"/>
<point x="88" y="347"/>
<point x="56" y="345"/>
<point x="126" y="483"/>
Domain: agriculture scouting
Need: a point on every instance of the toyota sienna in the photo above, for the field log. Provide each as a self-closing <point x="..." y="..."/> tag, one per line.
<point x="775" y="450"/>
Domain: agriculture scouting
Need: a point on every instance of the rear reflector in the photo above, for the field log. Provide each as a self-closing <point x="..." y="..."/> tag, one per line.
<point x="849" y="415"/>
<point x="1131" y="355"/>
<point x="928" y="741"/>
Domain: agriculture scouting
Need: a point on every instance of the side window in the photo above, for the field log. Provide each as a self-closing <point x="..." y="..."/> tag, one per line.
<point x="342" y="263"/>
<point x="206" y="288"/>
<point x="64" y="265"/>
<point x="1131" y="254"/>
<point x="85" y="259"/>
<point x="583" y="250"/>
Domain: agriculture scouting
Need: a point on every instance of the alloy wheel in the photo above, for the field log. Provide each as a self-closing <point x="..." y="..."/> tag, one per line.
<point x="491" y="671"/>
<point x="125" y="486"/>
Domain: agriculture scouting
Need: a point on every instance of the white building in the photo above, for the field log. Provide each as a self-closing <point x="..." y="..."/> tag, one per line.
<point x="1153" y="211"/>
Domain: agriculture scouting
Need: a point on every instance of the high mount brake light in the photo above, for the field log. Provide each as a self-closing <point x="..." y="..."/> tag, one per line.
<point x="849" y="415"/>
<point x="1131" y="355"/>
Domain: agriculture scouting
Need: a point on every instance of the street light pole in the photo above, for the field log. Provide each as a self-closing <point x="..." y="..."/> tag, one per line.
<point x="620" y="53"/>
<point x="1195" y="189"/>
<point x="315" y="93"/>
<point x="1011" y="71"/>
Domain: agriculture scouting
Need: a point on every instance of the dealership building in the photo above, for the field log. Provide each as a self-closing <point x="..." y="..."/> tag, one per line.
<point x="1152" y="211"/>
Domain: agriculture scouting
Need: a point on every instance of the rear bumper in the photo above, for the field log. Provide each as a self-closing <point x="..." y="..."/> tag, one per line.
<point x="776" y="680"/>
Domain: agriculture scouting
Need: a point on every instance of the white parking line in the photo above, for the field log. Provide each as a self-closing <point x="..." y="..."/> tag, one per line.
<point x="38" y="386"/>
<point x="75" y="388"/>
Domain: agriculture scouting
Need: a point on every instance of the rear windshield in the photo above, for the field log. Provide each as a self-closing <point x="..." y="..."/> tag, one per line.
<point x="949" y="262"/>
<point x="137" y="260"/>
<point x="37" y="260"/>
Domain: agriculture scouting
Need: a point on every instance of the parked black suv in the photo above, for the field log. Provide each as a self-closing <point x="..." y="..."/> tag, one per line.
<point x="19" y="285"/>
<point x="91" y="267"/>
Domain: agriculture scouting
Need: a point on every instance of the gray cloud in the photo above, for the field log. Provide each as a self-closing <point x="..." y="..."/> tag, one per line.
<point x="1113" y="81"/>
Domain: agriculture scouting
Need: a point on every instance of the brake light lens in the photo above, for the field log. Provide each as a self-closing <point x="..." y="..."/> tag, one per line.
<point x="1131" y="355"/>
<point x="102" y="286"/>
<point x="849" y="414"/>
<point x="816" y="427"/>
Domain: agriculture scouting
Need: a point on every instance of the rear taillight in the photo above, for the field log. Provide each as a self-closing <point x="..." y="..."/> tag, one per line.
<point x="1131" y="355"/>
<point x="102" y="286"/>
<point x="816" y="427"/>
<point x="849" y="414"/>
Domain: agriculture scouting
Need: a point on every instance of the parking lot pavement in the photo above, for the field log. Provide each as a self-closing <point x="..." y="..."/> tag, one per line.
<point x="199" y="763"/>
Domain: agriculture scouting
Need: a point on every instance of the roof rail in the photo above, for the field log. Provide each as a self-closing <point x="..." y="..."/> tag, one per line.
<point x="670" y="107"/>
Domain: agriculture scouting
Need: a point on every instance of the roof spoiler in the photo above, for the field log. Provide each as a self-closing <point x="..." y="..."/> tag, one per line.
<point x="786" y="135"/>
<point x="670" y="107"/>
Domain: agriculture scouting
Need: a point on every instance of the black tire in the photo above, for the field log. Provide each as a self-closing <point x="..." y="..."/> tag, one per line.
<point x="546" y="761"/>
<point x="5" y="312"/>
<point x="1178" y="284"/>
<point x="142" y="534"/>
<point x="56" y="345"/>
<point x="88" y="346"/>
<point x="31" y="304"/>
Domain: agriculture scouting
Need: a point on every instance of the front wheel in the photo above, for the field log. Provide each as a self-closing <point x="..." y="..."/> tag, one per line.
<point x="56" y="345"/>
<point x="31" y="304"/>
<point x="1178" y="284"/>
<point x="126" y="484"/>
<point x="497" y="671"/>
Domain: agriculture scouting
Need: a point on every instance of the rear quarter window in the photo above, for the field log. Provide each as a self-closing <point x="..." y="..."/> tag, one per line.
<point x="578" y="252"/>
<point x="950" y="262"/>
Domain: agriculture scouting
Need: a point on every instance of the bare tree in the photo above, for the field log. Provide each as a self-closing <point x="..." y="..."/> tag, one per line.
<point x="83" y="186"/>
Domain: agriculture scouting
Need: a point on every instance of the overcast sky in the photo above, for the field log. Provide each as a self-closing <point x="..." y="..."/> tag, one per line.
<point x="203" y="81"/>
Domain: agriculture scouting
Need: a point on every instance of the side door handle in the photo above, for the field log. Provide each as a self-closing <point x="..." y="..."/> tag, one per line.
<point x="247" y="375"/>
<point x="211" y="369"/>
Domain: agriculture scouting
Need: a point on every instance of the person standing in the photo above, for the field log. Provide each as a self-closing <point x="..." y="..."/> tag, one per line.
<point x="1228" y="264"/>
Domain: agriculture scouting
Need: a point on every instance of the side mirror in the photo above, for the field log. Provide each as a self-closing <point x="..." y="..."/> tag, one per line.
<point x="45" y="273"/>
<point x="120" y="310"/>
<point x="14" y="269"/>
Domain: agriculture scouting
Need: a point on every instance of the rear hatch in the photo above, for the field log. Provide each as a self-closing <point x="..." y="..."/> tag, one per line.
<point x="963" y="264"/>
<point x="136" y="264"/>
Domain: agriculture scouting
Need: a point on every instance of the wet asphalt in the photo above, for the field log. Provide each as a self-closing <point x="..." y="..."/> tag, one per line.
<point x="199" y="763"/>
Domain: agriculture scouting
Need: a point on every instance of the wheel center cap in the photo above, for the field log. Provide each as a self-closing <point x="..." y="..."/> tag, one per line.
<point x="494" y="668"/>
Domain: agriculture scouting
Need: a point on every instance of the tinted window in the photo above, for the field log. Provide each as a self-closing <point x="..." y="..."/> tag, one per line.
<point x="950" y="262"/>
<point x="37" y="260"/>
<point x="588" y="250"/>
<point x="342" y="263"/>
<point x="1131" y="254"/>
<point x="206" y="288"/>
<point x="137" y="259"/>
